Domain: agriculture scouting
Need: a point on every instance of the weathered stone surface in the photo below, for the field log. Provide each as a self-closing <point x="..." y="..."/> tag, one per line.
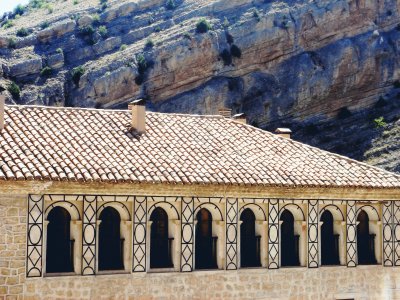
<point x="85" y="20"/>
<point x="56" y="30"/>
<point x="25" y="67"/>
<point x="56" y="61"/>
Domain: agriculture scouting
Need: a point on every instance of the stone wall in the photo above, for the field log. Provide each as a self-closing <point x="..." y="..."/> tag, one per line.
<point x="13" y="212"/>
<point x="366" y="282"/>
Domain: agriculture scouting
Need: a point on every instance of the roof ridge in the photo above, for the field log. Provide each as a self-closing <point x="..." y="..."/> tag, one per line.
<point x="109" y="110"/>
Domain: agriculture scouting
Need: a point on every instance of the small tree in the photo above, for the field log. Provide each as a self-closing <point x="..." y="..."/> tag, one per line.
<point x="103" y="31"/>
<point x="46" y="72"/>
<point x="14" y="90"/>
<point x="22" y="32"/>
<point x="236" y="52"/>
<point x="226" y="57"/>
<point x="203" y="26"/>
<point x="380" y="122"/>
<point x="19" y="9"/>
<point x="77" y="74"/>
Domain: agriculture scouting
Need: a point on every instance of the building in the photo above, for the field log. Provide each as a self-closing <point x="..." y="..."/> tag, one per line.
<point x="127" y="204"/>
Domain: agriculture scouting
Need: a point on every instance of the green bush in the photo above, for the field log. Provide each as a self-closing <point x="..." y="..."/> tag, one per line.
<point x="46" y="72"/>
<point x="236" y="52"/>
<point x="59" y="51"/>
<point x="203" y="26"/>
<point x="44" y="25"/>
<point x="12" y="43"/>
<point x="226" y="57"/>
<point x="14" y="90"/>
<point x="380" y="122"/>
<point x="103" y="31"/>
<point x="96" y="19"/>
<point x="19" y="9"/>
<point x="104" y="6"/>
<point x="8" y="24"/>
<point x="170" y="4"/>
<point x="49" y="8"/>
<point x="149" y="43"/>
<point x="103" y="1"/>
<point x="86" y="30"/>
<point x="22" y="32"/>
<point x="77" y="74"/>
<point x="123" y="47"/>
<point x="226" y="22"/>
<point x="37" y="3"/>
<point x="76" y="2"/>
<point x="142" y="63"/>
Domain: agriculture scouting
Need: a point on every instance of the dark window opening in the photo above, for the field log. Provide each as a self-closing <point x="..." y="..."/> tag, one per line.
<point x="289" y="241"/>
<point x="249" y="242"/>
<point x="60" y="247"/>
<point x="329" y="241"/>
<point x="110" y="243"/>
<point x="160" y="243"/>
<point x="206" y="244"/>
<point x="365" y="241"/>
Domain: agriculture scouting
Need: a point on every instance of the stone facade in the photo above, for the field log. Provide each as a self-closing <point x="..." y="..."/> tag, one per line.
<point x="230" y="282"/>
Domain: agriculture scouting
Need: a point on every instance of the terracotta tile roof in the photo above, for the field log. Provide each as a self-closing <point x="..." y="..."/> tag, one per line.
<point x="43" y="143"/>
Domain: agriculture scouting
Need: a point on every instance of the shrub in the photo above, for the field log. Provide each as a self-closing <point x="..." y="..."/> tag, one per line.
<point x="59" y="51"/>
<point x="226" y="57"/>
<point x="46" y="72"/>
<point x="256" y="15"/>
<point x="123" y="47"/>
<point x="343" y="113"/>
<point x="49" y="8"/>
<point x="77" y="74"/>
<point x="235" y="51"/>
<point x="14" y="90"/>
<point x="44" y="25"/>
<point x="96" y="19"/>
<point x="157" y="29"/>
<point x="37" y="3"/>
<point x="380" y="122"/>
<point x="226" y="22"/>
<point x="203" y="26"/>
<point x="76" y="2"/>
<point x="103" y="31"/>
<point x="396" y="84"/>
<point x="12" y="43"/>
<point x="149" y="43"/>
<point x="86" y="30"/>
<point x="170" y="4"/>
<point x="22" y="32"/>
<point x="104" y="6"/>
<point x="229" y="38"/>
<point x="19" y="9"/>
<point x="142" y="63"/>
<point x="103" y="1"/>
<point x="8" y="24"/>
<point x="187" y="35"/>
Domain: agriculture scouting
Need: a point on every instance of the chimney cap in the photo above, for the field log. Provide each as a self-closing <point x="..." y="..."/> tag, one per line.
<point x="283" y="130"/>
<point x="138" y="102"/>
<point x="239" y="116"/>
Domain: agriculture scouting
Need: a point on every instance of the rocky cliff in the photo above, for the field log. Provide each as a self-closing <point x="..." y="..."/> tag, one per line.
<point x="322" y="67"/>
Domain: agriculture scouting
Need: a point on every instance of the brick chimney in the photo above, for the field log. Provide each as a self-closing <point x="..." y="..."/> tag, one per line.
<point x="241" y="118"/>
<point x="225" y="112"/>
<point x="138" y="121"/>
<point x="2" y="103"/>
<point x="283" y="132"/>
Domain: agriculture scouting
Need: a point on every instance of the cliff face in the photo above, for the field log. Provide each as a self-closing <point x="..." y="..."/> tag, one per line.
<point x="297" y="63"/>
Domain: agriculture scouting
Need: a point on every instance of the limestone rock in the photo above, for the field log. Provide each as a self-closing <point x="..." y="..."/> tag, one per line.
<point x="25" y="67"/>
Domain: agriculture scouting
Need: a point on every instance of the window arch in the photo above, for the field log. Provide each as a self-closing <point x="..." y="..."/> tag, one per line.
<point x="289" y="241"/>
<point x="59" y="249"/>
<point x="160" y="243"/>
<point x="111" y="244"/>
<point x="329" y="240"/>
<point x="249" y="241"/>
<point x="365" y="240"/>
<point x="205" y="243"/>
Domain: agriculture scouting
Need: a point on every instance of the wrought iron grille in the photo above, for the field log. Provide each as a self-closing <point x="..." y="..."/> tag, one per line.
<point x="231" y="233"/>
<point x="139" y="234"/>
<point x="313" y="214"/>
<point x="34" y="262"/>
<point x="351" y="227"/>
<point x="273" y="234"/>
<point x="89" y="235"/>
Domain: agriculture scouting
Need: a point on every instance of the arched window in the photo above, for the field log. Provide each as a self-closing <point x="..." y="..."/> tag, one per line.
<point x="329" y="240"/>
<point x="249" y="242"/>
<point x="289" y="241"/>
<point x="59" y="251"/>
<point x="206" y="244"/>
<point x="365" y="241"/>
<point x="110" y="242"/>
<point x="160" y="244"/>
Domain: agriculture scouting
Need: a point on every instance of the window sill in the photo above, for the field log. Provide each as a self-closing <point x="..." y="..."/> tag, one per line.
<point x="112" y="272"/>
<point x="60" y="274"/>
<point x="161" y="270"/>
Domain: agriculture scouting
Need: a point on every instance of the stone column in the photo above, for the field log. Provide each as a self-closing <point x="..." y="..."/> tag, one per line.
<point x="313" y="216"/>
<point x="231" y="234"/>
<point x="273" y="234"/>
<point x="89" y="234"/>
<point x="187" y="240"/>
<point x="34" y="262"/>
<point x="351" y="234"/>
<point x="139" y="234"/>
